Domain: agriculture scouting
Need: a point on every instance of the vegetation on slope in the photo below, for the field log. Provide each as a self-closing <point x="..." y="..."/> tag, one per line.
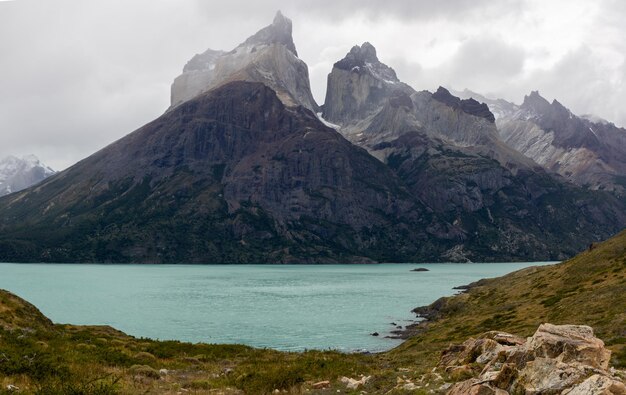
<point x="589" y="289"/>
<point x="41" y="357"/>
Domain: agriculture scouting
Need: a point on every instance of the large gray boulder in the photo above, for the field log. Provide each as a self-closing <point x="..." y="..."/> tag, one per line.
<point x="557" y="359"/>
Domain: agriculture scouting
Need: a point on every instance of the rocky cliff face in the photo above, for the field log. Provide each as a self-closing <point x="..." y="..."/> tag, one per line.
<point x="268" y="57"/>
<point x="585" y="150"/>
<point x="20" y="173"/>
<point x="366" y="99"/>
<point x="449" y="153"/>
<point x="359" y="85"/>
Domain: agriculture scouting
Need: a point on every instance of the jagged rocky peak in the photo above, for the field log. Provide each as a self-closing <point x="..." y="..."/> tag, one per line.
<point x="269" y="56"/>
<point x="469" y="106"/>
<point x="359" y="85"/>
<point x="536" y="102"/>
<point x="279" y="32"/>
<point x="364" y="59"/>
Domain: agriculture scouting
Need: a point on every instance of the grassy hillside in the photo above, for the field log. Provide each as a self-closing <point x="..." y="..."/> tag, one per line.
<point x="41" y="357"/>
<point x="589" y="289"/>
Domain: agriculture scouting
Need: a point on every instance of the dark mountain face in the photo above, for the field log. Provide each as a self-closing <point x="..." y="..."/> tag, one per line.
<point x="469" y="106"/>
<point x="232" y="176"/>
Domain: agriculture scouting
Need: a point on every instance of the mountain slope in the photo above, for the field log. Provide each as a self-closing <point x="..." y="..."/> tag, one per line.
<point x="19" y="173"/>
<point x="585" y="150"/>
<point x="231" y="176"/>
<point x="449" y="154"/>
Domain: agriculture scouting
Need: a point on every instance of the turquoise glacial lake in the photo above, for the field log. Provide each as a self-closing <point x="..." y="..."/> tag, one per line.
<point x="285" y="307"/>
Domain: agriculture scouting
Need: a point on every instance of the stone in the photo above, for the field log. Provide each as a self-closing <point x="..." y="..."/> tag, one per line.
<point x="471" y="387"/>
<point x="569" y="343"/>
<point x="269" y="57"/>
<point x="598" y="385"/>
<point x="544" y="375"/>
<point x="506" y="339"/>
<point x="320" y="385"/>
<point x="353" y="384"/>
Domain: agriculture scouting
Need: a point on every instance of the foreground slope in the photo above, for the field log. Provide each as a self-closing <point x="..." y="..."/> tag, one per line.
<point x="589" y="289"/>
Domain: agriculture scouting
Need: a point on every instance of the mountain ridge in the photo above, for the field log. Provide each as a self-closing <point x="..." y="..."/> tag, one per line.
<point x="587" y="151"/>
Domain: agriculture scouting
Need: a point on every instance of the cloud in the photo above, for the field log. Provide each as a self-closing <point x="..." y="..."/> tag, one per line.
<point x="407" y="10"/>
<point x="483" y="63"/>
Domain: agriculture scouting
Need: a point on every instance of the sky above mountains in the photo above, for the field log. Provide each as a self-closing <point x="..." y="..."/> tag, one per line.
<point x="77" y="75"/>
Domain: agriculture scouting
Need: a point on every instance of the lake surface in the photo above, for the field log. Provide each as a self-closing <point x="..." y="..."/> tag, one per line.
<point x="286" y="307"/>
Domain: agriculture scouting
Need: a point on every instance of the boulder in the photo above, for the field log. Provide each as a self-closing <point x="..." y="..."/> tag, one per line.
<point x="471" y="387"/>
<point x="544" y="375"/>
<point x="557" y="359"/>
<point x="598" y="385"/>
<point x="570" y="343"/>
<point x="321" y="385"/>
<point x="353" y="384"/>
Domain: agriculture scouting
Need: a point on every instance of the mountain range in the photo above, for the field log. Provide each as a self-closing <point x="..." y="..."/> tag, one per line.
<point x="20" y="173"/>
<point x="586" y="150"/>
<point x="245" y="167"/>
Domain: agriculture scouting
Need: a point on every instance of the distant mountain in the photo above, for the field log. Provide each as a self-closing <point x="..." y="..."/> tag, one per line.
<point x="20" y="173"/>
<point x="241" y="169"/>
<point x="586" y="150"/>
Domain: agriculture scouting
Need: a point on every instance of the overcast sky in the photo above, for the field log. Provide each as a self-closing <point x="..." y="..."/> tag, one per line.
<point x="77" y="75"/>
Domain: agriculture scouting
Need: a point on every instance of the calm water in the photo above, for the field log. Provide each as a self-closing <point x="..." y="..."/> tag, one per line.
<point x="277" y="306"/>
